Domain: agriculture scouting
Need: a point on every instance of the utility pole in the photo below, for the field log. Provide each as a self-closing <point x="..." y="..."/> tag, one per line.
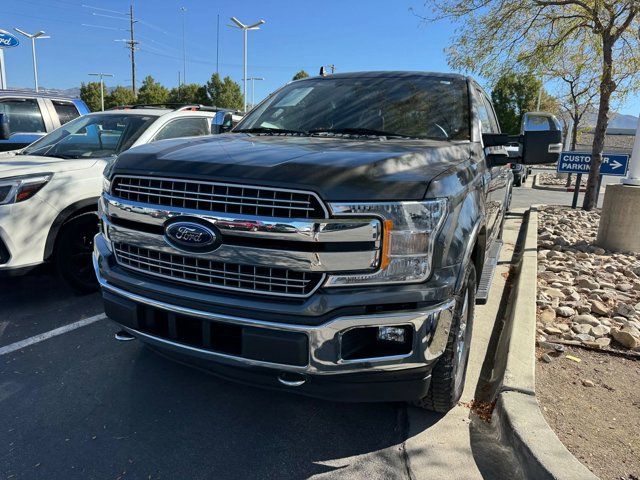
<point x="132" y="45"/>
<point x="184" y="49"/>
<point x="218" y="44"/>
<point x="101" y="75"/>
<point x="33" y="37"/>
<point x="245" y="29"/>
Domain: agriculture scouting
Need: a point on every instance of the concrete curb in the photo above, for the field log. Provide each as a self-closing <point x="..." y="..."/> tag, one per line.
<point x="517" y="414"/>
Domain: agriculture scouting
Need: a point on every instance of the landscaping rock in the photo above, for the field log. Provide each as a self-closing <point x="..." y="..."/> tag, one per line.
<point x="625" y="338"/>
<point x="590" y="319"/>
<point x="565" y="311"/>
<point x="599" y="308"/>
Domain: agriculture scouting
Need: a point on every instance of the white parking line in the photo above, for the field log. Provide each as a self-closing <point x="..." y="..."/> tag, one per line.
<point x="51" y="333"/>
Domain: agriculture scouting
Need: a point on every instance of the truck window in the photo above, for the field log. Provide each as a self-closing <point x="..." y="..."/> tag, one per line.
<point x="485" y="114"/>
<point x="184" y="127"/>
<point x="66" y="111"/>
<point x="24" y="115"/>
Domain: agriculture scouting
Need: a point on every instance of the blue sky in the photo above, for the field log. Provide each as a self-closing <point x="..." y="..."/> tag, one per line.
<point x="353" y="35"/>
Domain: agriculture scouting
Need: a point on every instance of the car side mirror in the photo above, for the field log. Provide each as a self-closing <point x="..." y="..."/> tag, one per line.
<point x="221" y="123"/>
<point x="5" y="133"/>
<point x="541" y="138"/>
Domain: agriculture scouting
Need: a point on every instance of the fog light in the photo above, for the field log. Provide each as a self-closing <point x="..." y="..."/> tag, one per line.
<point x="392" y="334"/>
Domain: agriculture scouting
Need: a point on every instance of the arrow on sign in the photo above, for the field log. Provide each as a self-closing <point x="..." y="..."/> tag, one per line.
<point x="615" y="164"/>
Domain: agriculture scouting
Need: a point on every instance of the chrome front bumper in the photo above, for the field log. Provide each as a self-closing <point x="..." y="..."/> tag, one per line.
<point x="431" y="330"/>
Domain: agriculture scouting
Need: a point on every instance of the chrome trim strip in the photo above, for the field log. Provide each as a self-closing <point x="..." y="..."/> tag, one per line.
<point x="431" y="330"/>
<point x="233" y="185"/>
<point x="337" y="230"/>
<point x="364" y="261"/>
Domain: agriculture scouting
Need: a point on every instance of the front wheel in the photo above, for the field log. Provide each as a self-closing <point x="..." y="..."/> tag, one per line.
<point x="449" y="373"/>
<point x="74" y="247"/>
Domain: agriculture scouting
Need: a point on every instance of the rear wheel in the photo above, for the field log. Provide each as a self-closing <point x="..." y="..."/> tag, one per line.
<point x="74" y="247"/>
<point x="517" y="182"/>
<point x="449" y="373"/>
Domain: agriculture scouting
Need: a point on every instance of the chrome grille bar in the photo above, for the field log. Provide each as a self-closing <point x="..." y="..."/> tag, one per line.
<point x="219" y="197"/>
<point x="211" y="273"/>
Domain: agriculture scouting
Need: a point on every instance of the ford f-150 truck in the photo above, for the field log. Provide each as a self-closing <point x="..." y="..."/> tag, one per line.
<point x="334" y="244"/>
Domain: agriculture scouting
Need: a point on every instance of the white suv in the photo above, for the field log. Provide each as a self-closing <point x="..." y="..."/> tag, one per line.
<point x="49" y="190"/>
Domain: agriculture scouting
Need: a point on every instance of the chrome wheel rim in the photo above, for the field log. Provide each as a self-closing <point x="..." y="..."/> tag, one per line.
<point x="460" y="348"/>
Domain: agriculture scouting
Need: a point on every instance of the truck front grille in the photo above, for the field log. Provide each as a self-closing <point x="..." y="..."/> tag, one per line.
<point x="219" y="197"/>
<point x="211" y="273"/>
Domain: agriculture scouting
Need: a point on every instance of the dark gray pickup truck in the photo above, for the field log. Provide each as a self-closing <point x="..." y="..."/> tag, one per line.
<point x="334" y="244"/>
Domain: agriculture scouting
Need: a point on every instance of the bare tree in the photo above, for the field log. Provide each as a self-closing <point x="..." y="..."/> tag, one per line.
<point x="494" y="36"/>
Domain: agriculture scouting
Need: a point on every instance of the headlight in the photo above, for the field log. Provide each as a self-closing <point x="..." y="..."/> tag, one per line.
<point x="19" y="189"/>
<point x="410" y="229"/>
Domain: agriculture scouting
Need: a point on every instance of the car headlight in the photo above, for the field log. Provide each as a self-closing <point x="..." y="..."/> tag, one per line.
<point x="410" y="229"/>
<point x="19" y="189"/>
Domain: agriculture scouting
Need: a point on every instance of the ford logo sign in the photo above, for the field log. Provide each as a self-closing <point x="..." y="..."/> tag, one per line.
<point x="8" y="39"/>
<point x="191" y="236"/>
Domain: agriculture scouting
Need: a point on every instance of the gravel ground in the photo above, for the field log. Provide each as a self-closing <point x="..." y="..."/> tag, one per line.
<point x="552" y="179"/>
<point x="589" y="297"/>
<point x="594" y="408"/>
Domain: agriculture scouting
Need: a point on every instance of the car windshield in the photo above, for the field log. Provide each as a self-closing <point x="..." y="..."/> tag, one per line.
<point x="92" y="136"/>
<point x="407" y="106"/>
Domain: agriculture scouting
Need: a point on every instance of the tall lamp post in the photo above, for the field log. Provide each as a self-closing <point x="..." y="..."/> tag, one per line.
<point x="33" y="37"/>
<point x="101" y="75"/>
<point x="245" y="29"/>
<point x="253" y="89"/>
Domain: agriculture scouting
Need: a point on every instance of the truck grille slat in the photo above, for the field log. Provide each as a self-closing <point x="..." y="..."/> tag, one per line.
<point x="219" y="197"/>
<point x="211" y="273"/>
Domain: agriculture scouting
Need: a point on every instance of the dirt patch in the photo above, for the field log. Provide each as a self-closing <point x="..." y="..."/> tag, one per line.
<point x="594" y="408"/>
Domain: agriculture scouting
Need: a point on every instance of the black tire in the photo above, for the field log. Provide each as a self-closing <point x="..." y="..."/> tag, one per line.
<point x="517" y="182"/>
<point x="449" y="373"/>
<point x="73" y="250"/>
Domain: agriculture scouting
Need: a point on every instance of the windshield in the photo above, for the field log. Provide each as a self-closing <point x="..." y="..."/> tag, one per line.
<point x="92" y="136"/>
<point x="409" y="106"/>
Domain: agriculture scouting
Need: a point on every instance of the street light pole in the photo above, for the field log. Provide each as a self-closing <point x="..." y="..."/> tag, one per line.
<point x="633" y="177"/>
<point x="101" y="75"/>
<point x="184" y="49"/>
<point x="245" y="29"/>
<point x="253" y="89"/>
<point x="33" y="37"/>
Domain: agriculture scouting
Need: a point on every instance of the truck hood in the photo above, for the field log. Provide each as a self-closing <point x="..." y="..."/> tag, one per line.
<point x="14" y="165"/>
<point x="336" y="168"/>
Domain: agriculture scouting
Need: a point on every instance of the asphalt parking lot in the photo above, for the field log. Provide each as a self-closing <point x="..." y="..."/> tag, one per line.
<point x="81" y="405"/>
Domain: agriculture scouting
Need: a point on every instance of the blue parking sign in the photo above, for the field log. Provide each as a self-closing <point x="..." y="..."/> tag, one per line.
<point x="576" y="162"/>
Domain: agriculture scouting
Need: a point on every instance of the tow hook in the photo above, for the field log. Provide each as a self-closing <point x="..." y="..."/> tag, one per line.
<point x="124" y="336"/>
<point x="291" y="379"/>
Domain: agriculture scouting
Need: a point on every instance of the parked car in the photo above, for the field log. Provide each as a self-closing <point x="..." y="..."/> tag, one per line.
<point x="378" y="201"/>
<point x="31" y="115"/>
<point x="520" y="173"/>
<point x="49" y="190"/>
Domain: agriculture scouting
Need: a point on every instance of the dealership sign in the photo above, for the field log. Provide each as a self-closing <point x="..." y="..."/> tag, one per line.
<point x="8" y="39"/>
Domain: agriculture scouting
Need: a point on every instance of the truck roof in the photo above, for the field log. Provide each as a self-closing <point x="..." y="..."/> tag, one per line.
<point x="393" y="73"/>
<point x="25" y="92"/>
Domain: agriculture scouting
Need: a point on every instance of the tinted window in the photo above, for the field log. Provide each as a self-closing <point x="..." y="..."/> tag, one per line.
<point x="184" y="127"/>
<point x="24" y="115"/>
<point x="412" y="105"/>
<point x="66" y="111"/>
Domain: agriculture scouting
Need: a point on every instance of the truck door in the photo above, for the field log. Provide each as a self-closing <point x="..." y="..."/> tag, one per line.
<point x="499" y="175"/>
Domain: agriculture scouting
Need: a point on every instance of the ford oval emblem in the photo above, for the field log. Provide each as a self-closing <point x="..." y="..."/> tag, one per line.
<point x="8" y="39"/>
<point x="191" y="236"/>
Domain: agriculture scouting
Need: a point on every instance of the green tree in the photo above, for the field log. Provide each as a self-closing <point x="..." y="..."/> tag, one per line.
<point x="495" y="36"/>
<point x="301" y="74"/>
<point x="189" y="93"/>
<point x="224" y="93"/>
<point x="119" y="96"/>
<point x="90" y="94"/>
<point x="152" y="92"/>
<point x="512" y="96"/>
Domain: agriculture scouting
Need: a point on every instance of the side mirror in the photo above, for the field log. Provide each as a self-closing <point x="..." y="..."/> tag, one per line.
<point x="5" y="133"/>
<point x="221" y="123"/>
<point x="541" y="138"/>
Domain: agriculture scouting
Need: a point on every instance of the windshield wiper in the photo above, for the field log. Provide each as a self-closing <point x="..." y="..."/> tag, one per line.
<point x="270" y="130"/>
<point x="359" y="131"/>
